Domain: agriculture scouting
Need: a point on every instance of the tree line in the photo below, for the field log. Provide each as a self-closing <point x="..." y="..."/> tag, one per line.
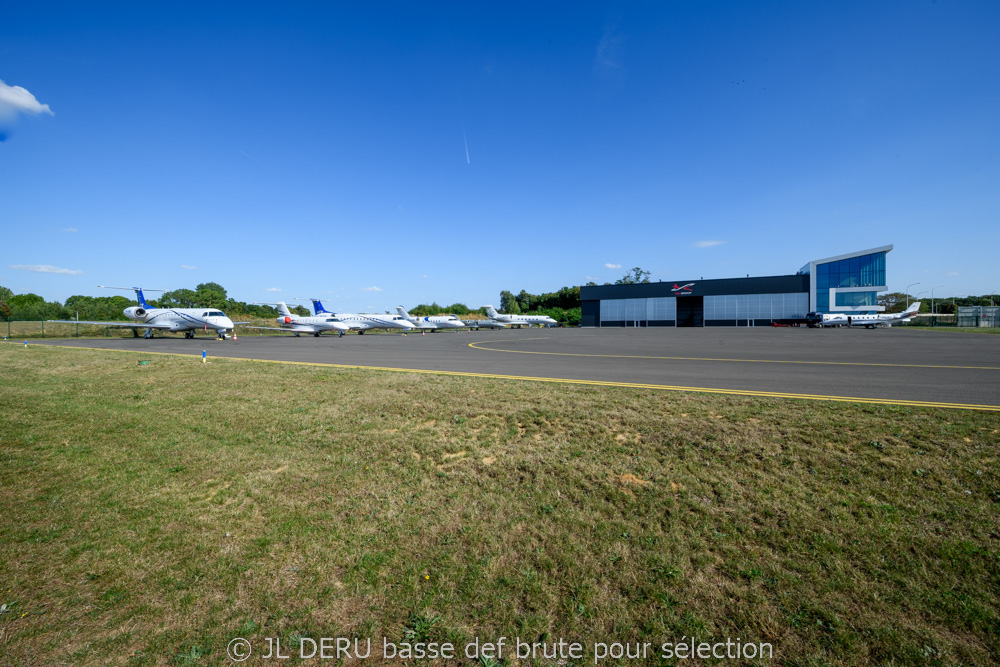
<point x="896" y="302"/>
<point x="109" y="308"/>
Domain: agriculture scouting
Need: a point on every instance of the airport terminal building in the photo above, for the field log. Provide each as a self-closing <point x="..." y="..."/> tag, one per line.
<point x="843" y="284"/>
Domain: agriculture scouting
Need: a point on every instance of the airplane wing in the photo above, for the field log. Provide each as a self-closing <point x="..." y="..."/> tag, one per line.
<point x="137" y="325"/>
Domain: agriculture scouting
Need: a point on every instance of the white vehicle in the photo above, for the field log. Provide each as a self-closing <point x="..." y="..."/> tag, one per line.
<point x="518" y="320"/>
<point x="289" y="321"/>
<point x="867" y="321"/>
<point x="432" y="322"/>
<point x="362" y="322"/>
<point x="188" y="320"/>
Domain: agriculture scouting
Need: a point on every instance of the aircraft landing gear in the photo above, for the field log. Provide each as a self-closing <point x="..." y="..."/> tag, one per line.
<point x="189" y="334"/>
<point x="316" y="335"/>
<point x="148" y="334"/>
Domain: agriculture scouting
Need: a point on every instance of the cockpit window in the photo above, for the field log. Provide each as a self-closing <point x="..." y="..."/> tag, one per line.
<point x="213" y="313"/>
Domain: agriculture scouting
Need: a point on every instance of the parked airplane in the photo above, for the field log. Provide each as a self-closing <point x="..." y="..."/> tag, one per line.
<point x="289" y="321"/>
<point x="484" y="324"/>
<point x="518" y="320"/>
<point x="364" y="321"/>
<point x="432" y="322"/>
<point x="867" y="321"/>
<point x="188" y="320"/>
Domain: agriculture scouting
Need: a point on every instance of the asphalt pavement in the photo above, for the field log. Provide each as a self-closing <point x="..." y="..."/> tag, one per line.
<point x="882" y="365"/>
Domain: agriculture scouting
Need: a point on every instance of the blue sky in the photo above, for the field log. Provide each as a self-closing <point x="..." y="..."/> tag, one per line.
<point x="377" y="154"/>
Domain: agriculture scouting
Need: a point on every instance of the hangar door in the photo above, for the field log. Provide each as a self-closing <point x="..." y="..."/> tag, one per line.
<point x="637" y="312"/>
<point x="691" y="311"/>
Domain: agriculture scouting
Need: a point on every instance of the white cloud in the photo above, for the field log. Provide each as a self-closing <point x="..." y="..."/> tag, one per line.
<point x="45" y="268"/>
<point x="608" y="60"/>
<point x="590" y="278"/>
<point x="426" y="276"/>
<point x="273" y="289"/>
<point x="371" y="289"/>
<point x="69" y="229"/>
<point x="707" y="244"/>
<point x="188" y="267"/>
<point x="15" y="99"/>
<point x="612" y="266"/>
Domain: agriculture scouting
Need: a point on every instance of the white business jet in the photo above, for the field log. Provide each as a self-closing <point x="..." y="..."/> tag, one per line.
<point x="432" y="322"/>
<point x="518" y="320"/>
<point x="363" y="322"/>
<point x="188" y="320"/>
<point x="867" y="321"/>
<point x="289" y="321"/>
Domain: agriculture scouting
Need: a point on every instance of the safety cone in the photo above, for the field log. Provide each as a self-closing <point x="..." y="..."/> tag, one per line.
<point x="423" y="333"/>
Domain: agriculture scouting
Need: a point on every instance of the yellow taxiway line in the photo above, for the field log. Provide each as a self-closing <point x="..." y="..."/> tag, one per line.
<point x="479" y="346"/>
<point x="592" y="383"/>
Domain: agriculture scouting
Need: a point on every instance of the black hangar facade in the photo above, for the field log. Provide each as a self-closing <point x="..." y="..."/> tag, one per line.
<point x="845" y="283"/>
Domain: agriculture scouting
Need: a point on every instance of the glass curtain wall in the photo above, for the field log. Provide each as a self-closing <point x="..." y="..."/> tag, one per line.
<point x="864" y="271"/>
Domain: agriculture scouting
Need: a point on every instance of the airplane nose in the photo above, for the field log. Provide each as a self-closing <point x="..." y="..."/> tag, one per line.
<point x="407" y="325"/>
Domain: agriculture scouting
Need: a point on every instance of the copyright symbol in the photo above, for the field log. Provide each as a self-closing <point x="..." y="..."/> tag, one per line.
<point x="238" y="649"/>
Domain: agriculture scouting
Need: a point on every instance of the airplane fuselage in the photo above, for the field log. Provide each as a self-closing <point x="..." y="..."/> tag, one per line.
<point x="366" y="321"/>
<point x="519" y="320"/>
<point x="432" y="322"/>
<point x="181" y="319"/>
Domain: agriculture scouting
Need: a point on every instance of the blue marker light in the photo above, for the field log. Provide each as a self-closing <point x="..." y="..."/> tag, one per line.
<point x="204" y="356"/>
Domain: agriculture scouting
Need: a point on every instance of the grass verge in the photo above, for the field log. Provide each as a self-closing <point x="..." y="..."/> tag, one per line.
<point x="152" y="513"/>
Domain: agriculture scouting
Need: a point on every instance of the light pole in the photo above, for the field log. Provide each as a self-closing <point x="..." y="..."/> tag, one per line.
<point x="908" y="293"/>
<point x="932" y="298"/>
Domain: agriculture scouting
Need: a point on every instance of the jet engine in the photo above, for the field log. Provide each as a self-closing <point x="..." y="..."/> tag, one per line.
<point x="135" y="312"/>
<point x="284" y="320"/>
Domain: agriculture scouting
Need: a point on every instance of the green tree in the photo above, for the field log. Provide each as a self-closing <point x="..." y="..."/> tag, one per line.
<point x="211" y="295"/>
<point x="19" y="301"/>
<point x="636" y="275"/>
<point x="894" y="302"/>
<point x="508" y="303"/>
<point x="179" y="298"/>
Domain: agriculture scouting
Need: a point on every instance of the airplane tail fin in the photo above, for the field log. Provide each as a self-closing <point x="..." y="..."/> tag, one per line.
<point x="914" y="307"/>
<point x="283" y="309"/>
<point x="318" y="307"/>
<point x="402" y="311"/>
<point x="138" y="294"/>
<point x="491" y="311"/>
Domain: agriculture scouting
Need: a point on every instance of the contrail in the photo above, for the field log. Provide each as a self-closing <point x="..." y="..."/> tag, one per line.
<point x="466" y="146"/>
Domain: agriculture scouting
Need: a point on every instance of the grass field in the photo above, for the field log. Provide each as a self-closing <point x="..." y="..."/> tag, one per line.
<point x="150" y="514"/>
